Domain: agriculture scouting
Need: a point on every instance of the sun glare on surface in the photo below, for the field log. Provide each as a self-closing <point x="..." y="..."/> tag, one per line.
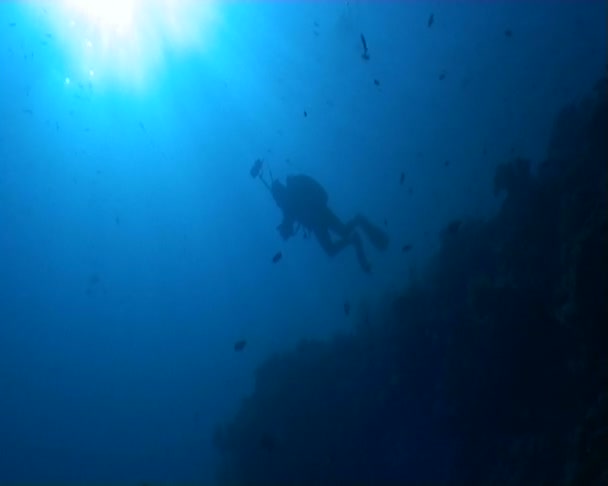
<point x="127" y="41"/>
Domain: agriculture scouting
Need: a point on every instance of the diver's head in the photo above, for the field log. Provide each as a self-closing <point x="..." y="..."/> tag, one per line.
<point x="279" y="193"/>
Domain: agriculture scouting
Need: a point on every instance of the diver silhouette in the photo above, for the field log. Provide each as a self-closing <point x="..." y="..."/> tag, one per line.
<point x="303" y="202"/>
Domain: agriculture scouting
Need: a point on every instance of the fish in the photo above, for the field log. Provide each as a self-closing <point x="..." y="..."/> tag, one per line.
<point x="240" y="344"/>
<point x="305" y="113"/>
<point x="431" y="20"/>
<point x="446" y="163"/>
<point x="364" y="42"/>
<point x="402" y="178"/>
<point x="508" y="33"/>
<point x="376" y="82"/>
<point x="347" y="308"/>
<point x="277" y="257"/>
<point x="442" y="75"/>
<point x="406" y="248"/>
<point x="365" y="54"/>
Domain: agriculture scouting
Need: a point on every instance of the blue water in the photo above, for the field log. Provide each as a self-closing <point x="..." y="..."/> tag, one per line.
<point x="135" y="248"/>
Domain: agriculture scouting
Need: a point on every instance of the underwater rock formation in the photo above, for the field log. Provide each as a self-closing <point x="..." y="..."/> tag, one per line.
<point x="494" y="369"/>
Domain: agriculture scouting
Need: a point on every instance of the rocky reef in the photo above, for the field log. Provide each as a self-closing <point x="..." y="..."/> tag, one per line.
<point x="491" y="369"/>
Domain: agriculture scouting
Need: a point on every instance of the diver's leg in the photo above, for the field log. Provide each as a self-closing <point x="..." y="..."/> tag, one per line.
<point x="347" y="232"/>
<point x="336" y="225"/>
<point x="356" y="241"/>
<point x="376" y="235"/>
<point x="342" y="229"/>
<point x="332" y="248"/>
<point x="348" y="236"/>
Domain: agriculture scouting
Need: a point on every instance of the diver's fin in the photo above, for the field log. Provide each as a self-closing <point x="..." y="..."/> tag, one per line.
<point x="376" y="235"/>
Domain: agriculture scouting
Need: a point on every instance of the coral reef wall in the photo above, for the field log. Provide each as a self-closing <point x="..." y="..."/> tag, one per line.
<point x="492" y="369"/>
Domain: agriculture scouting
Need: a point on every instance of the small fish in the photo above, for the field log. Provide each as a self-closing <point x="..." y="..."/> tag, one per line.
<point x="365" y="54"/>
<point x="410" y="191"/>
<point x="508" y="33"/>
<point x="347" y="308"/>
<point x="13" y="24"/>
<point x="446" y="163"/>
<point x="454" y="226"/>
<point x="305" y="113"/>
<point x="364" y="42"/>
<point x="442" y="75"/>
<point x="406" y="248"/>
<point x="402" y="178"/>
<point x="376" y="82"/>
<point x="385" y="222"/>
<point x="431" y="20"/>
<point x="277" y="257"/>
<point x="141" y="125"/>
<point x="240" y="344"/>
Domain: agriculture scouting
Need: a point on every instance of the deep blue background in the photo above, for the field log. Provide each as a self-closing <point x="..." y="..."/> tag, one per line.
<point x="135" y="248"/>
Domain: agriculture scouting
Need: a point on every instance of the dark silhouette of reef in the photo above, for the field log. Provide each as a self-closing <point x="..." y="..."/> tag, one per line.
<point x="491" y="369"/>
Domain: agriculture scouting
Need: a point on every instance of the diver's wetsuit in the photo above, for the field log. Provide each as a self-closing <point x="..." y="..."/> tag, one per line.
<point x="303" y="200"/>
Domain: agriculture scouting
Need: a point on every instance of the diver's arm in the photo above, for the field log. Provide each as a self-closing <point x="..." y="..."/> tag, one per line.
<point x="286" y="227"/>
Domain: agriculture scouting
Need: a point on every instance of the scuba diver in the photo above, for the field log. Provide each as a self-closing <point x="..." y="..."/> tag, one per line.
<point x="303" y="202"/>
